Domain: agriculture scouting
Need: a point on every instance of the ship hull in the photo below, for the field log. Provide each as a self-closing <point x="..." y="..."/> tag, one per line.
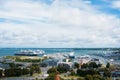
<point x="25" y="54"/>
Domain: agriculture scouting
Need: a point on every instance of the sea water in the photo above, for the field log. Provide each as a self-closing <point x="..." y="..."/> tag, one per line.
<point x="77" y="51"/>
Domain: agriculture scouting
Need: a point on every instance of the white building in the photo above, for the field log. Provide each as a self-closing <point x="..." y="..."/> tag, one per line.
<point x="66" y="62"/>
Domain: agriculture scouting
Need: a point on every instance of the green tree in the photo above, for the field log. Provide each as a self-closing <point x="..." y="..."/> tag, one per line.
<point x="25" y="71"/>
<point x="80" y="78"/>
<point x="72" y="72"/>
<point x="62" y="68"/>
<point x="17" y="71"/>
<point x="12" y="65"/>
<point x="52" y="70"/>
<point x="109" y="79"/>
<point x="92" y="72"/>
<point x="1" y="72"/>
<point x="52" y="73"/>
<point x="84" y="66"/>
<point x="51" y="76"/>
<point x="107" y="73"/>
<point x="81" y="72"/>
<point x="93" y="65"/>
<point x="97" y="77"/>
<point x="32" y="70"/>
<point x="13" y="72"/>
<point x="99" y="65"/>
<point x="9" y="72"/>
<point x="37" y="69"/>
<point x="108" y="65"/>
<point x="43" y="64"/>
<point x="76" y="65"/>
<point x="88" y="77"/>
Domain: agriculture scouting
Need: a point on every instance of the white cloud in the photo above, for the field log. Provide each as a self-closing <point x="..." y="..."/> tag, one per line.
<point x="116" y="4"/>
<point x="63" y="23"/>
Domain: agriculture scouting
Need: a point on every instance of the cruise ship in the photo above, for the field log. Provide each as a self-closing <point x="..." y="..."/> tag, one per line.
<point x="29" y="53"/>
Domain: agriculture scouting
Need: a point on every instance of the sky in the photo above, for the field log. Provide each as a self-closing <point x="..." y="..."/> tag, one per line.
<point x="60" y="23"/>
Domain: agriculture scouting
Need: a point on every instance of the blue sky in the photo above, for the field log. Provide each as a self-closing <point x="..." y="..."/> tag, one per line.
<point x="60" y="23"/>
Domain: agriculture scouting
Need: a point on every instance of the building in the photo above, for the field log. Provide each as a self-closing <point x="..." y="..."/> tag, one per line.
<point x="9" y="60"/>
<point x="83" y="59"/>
<point x="2" y="59"/>
<point x="71" y="55"/>
<point x="51" y="62"/>
<point x="97" y="61"/>
<point x="4" y="66"/>
<point x="66" y="63"/>
<point x="115" y="75"/>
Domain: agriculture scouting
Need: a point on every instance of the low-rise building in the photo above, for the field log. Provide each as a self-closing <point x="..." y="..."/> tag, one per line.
<point x="9" y="60"/>
<point x="51" y="62"/>
<point x="97" y="61"/>
<point x="4" y="66"/>
<point x="2" y="59"/>
<point x="83" y="59"/>
<point x="115" y="74"/>
<point x="66" y="63"/>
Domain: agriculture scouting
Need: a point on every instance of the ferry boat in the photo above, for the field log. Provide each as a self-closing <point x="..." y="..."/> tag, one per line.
<point x="29" y="53"/>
